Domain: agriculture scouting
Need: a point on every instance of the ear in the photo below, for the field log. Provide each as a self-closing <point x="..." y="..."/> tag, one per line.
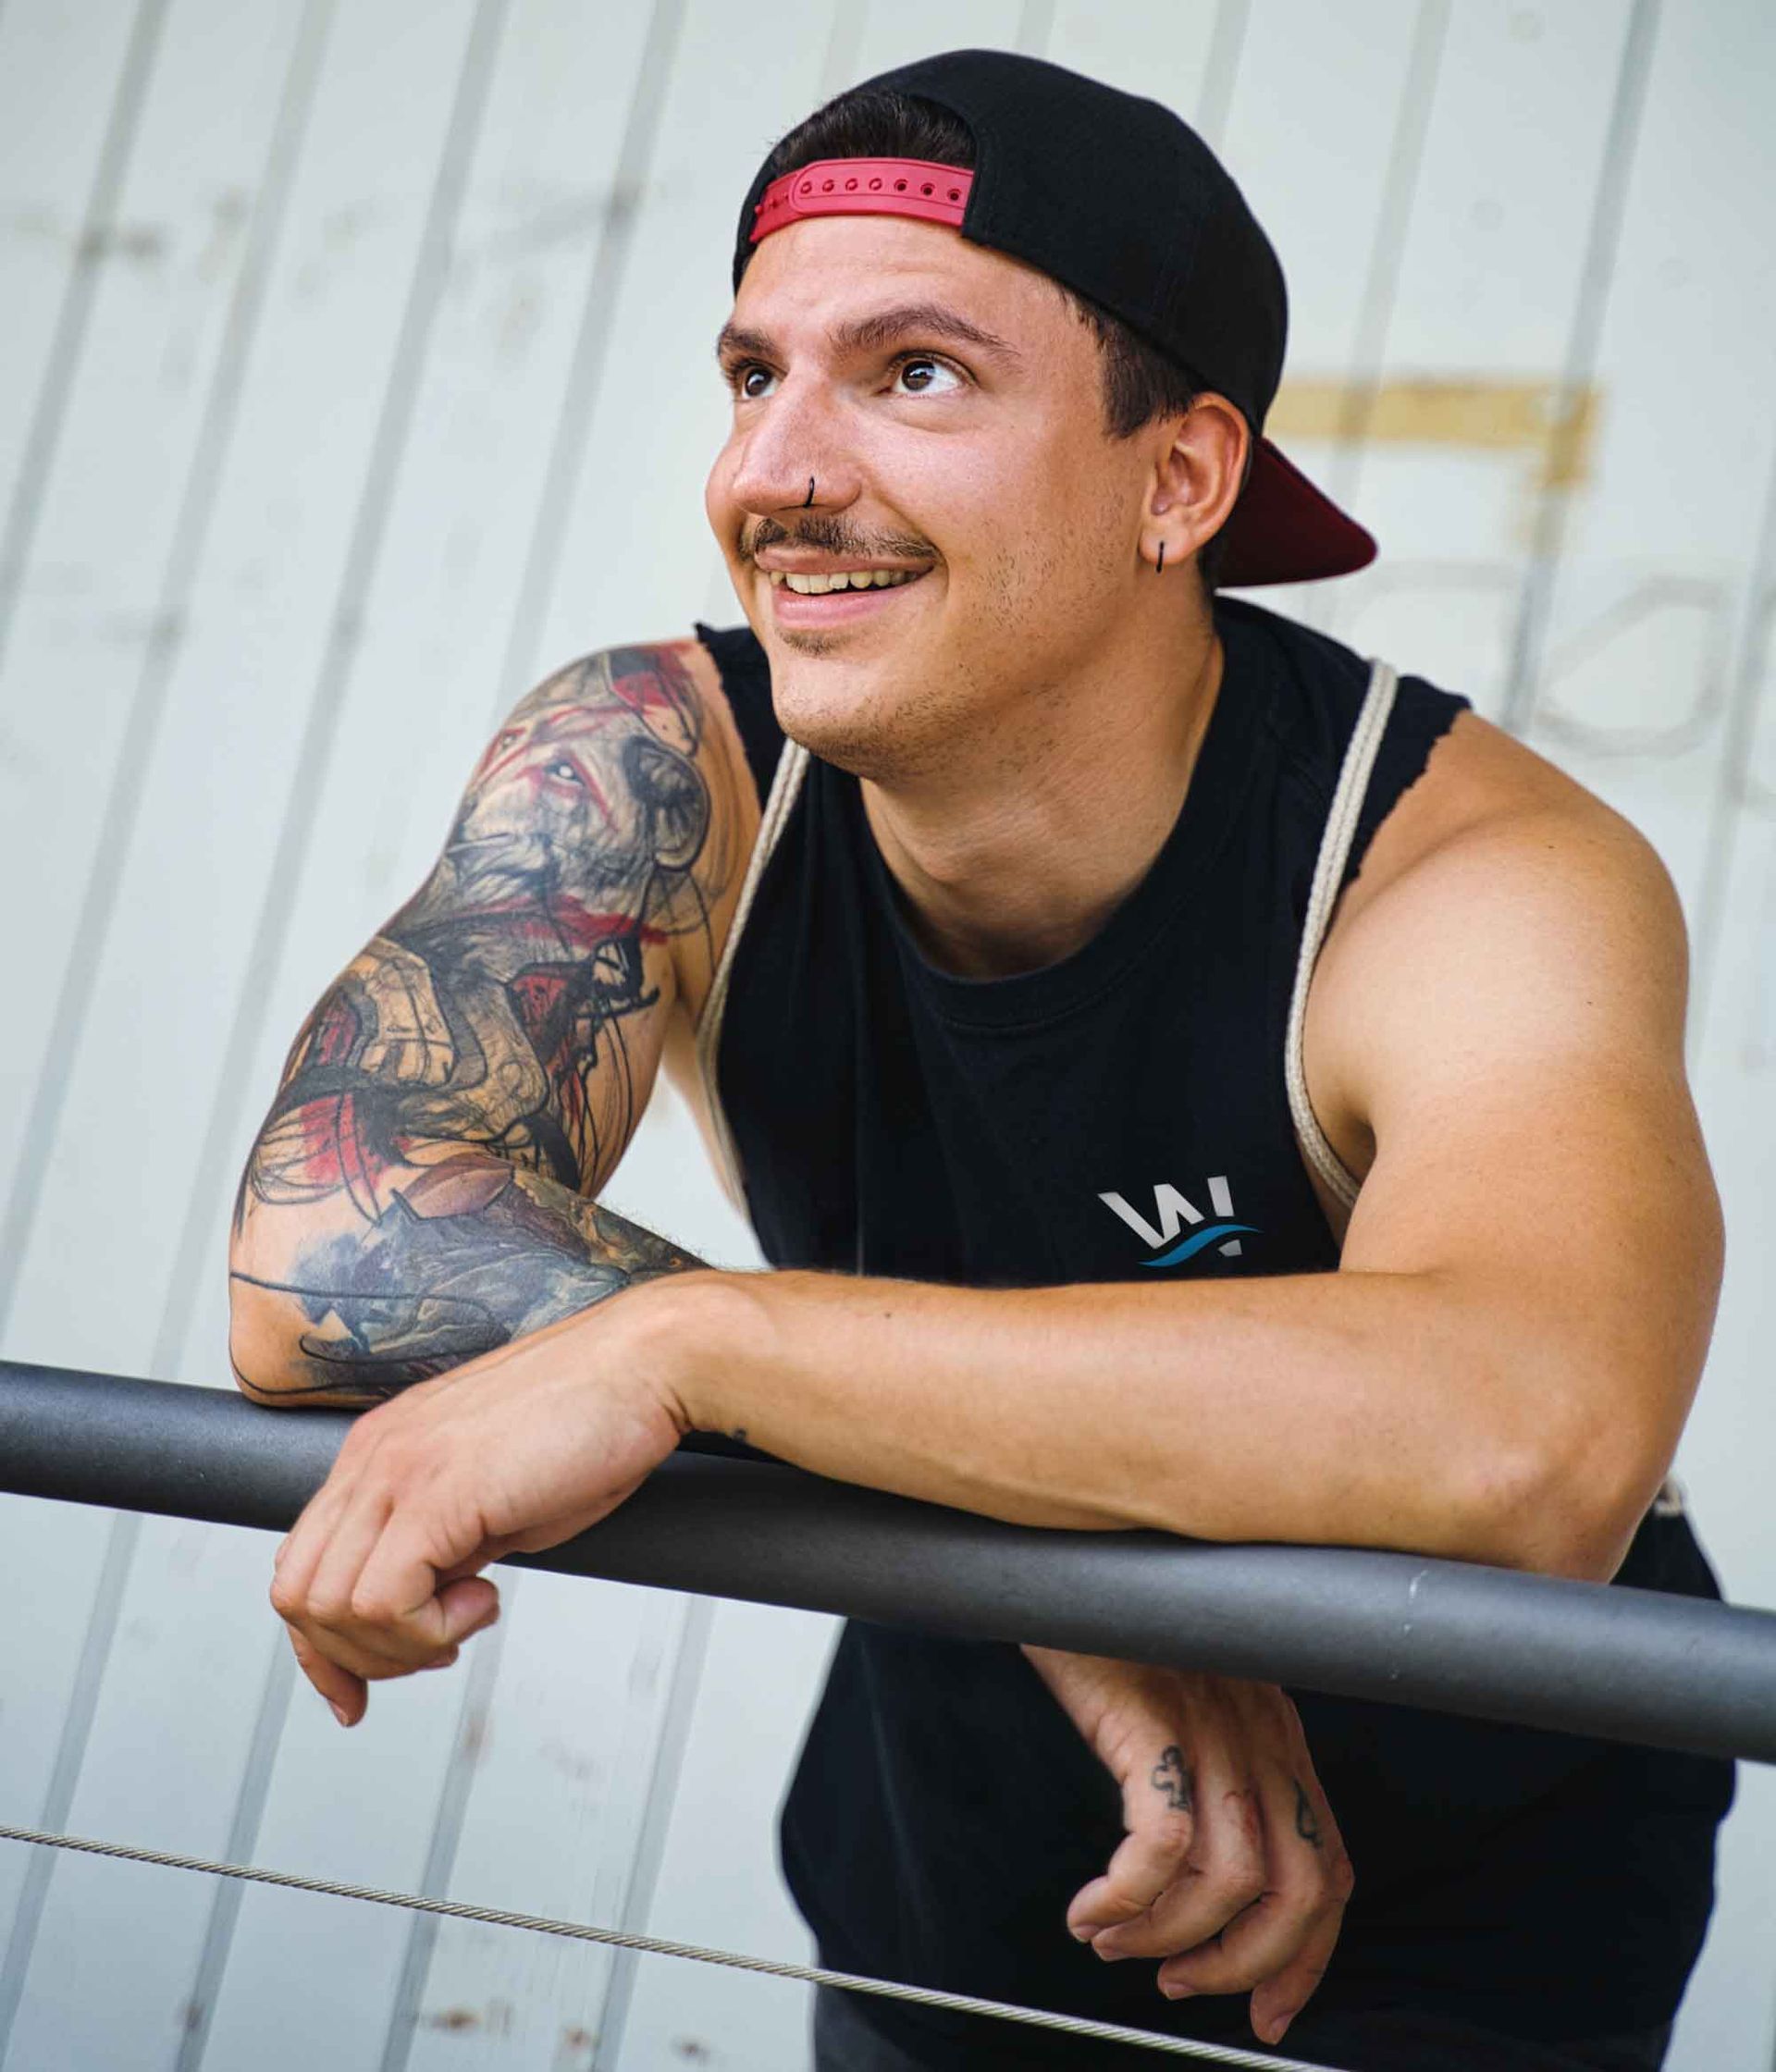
<point x="1199" y="470"/>
<point x="673" y="795"/>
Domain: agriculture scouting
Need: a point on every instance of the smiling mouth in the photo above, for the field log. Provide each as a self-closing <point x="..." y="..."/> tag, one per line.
<point x="829" y="583"/>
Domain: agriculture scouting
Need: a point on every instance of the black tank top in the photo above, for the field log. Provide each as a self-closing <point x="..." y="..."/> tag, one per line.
<point x="1121" y="1113"/>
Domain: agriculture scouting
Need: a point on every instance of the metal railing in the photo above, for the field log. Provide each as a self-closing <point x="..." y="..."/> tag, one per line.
<point x="1584" y="1657"/>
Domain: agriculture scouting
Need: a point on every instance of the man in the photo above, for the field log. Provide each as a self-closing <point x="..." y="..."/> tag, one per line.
<point x="993" y="987"/>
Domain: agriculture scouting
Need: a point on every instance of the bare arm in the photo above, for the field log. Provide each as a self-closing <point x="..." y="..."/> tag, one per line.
<point x="420" y="1192"/>
<point x="1501" y="1370"/>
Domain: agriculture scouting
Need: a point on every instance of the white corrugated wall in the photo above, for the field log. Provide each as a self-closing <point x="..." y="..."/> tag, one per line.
<point x="354" y="367"/>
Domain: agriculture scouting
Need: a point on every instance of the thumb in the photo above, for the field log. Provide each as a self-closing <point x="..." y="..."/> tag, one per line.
<point x="467" y="1606"/>
<point x="1154" y="1854"/>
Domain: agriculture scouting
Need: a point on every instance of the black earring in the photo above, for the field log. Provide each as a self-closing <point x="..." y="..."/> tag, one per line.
<point x="810" y="492"/>
<point x="1161" y="569"/>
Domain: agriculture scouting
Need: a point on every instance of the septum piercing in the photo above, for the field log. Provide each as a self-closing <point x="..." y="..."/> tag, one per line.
<point x="1161" y="569"/>
<point x="810" y="492"/>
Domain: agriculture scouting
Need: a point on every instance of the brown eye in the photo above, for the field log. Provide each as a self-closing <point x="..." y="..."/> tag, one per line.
<point x="923" y="374"/>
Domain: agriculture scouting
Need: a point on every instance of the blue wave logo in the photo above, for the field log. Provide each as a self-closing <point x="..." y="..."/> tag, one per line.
<point x="1200" y="1240"/>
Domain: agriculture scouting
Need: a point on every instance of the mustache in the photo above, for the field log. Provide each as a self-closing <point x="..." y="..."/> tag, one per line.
<point x="823" y="534"/>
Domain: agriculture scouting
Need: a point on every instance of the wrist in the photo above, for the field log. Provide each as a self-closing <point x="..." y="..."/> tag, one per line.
<point x="692" y="1324"/>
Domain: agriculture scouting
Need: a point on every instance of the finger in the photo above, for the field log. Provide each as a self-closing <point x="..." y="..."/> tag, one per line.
<point x="348" y="1696"/>
<point x="374" y="1587"/>
<point x="327" y="1614"/>
<point x="295" y="1566"/>
<point x="1159" y="1811"/>
<point x="304" y="1547"/>
<point x="300" y="1554"/>
<point x="1298" y="1896"/>
<point x="1223" y="1873"/>
<point x="344" y="1652"/>
<point x="352" y="1536"/>
<point x="397" y="1595"/>
<point x="1145" y="1864"/>
<point x="324" y="1618"/>
<point x="342" y="1672"/>
<point x="1280" y="1998"/>
<point x="373" y="1651"/>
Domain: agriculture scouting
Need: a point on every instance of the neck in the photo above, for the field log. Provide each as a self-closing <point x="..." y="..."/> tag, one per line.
<point x="1017" y="851"/>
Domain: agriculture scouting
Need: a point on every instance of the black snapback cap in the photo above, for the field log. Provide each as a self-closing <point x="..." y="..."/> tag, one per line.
<point x="1117" y="198"/>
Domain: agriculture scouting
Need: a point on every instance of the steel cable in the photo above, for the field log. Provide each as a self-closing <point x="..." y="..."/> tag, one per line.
<point x="654" y="1945"/>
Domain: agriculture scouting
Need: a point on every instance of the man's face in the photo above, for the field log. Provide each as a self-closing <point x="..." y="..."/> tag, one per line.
<point x="979" y="461"/>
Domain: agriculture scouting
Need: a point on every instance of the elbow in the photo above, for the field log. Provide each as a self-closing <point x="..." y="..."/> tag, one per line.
<point x="1572" y="1424"/>
<point x="265" y="1344"/>
<point x="260" y="1366"/>
<point x="252" y="1358"/>
<point x="1566" y="1505"/>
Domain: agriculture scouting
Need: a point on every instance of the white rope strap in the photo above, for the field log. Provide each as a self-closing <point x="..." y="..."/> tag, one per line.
<point x="785" y="788"/>
<point x="654" y="1945"/>
<point x="1328" y="875"/>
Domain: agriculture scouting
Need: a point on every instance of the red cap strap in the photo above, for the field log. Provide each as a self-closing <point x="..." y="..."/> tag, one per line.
<point x="864" y="187"/>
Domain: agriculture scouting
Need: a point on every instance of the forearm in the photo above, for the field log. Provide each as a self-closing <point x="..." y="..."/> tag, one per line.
<point x="470" y="1253"/>
<point x="1382" y="1410"/>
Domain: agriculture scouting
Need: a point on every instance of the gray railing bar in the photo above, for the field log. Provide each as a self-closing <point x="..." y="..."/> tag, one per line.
<point x="1626" y="1664"/>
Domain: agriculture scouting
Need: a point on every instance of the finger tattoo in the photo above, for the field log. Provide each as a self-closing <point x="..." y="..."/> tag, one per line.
<point x="1306" y="1823"/>
<point x="1171" y="1776"/>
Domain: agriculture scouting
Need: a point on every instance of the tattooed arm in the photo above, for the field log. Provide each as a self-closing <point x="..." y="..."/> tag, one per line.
<point x="421" y="1192"/>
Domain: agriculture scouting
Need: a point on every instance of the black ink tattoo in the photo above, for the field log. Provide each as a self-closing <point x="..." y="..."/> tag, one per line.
<point x="465" y="1087"/>
<point x="1306" y="1822"/>
<point x="1171" y="1776"/>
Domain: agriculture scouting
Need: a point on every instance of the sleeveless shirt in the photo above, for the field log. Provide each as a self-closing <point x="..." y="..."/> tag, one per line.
<point x="1120" y="1115"/>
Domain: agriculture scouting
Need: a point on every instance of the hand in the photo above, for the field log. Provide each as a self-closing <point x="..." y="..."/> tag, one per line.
<point x="1233" y="1870"/>
<point x="512" y="1452"/>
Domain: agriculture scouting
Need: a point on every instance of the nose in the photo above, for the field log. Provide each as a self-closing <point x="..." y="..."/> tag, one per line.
<point x="793" y="455"/>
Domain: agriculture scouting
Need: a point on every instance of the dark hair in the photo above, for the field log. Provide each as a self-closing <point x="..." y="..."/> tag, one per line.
<point x="1139" y="382"/>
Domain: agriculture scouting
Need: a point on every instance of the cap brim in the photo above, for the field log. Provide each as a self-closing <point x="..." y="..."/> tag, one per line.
<point x="1284" y="530"/>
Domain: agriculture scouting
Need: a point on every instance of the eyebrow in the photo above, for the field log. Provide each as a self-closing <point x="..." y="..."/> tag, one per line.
<point x="863" y="334"/>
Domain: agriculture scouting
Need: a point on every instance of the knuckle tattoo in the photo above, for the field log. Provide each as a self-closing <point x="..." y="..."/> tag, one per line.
<point x="1307" y="1823"/>
<point x="1170" y="1777"/>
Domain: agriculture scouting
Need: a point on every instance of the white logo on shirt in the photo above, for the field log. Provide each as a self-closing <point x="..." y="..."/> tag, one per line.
<point x="1172" y="1211"/>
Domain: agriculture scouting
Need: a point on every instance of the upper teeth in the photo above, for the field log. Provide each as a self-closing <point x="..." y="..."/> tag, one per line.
<point x="842" y="579"/>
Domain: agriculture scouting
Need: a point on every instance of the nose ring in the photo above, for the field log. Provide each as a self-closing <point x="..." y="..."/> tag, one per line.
<point x="810" y="492"/>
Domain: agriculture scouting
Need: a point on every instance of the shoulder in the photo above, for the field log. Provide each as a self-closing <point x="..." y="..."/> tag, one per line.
<point x="1501" y="907"/>
<point x="1491" y="822"/>
<point x="672" y="687"/>
<point x="642" y="739"/>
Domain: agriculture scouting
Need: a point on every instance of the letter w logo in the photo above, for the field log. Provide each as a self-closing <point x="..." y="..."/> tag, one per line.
<point x="1172" y="1211"/>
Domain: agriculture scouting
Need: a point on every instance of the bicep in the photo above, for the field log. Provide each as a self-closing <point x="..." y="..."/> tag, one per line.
<point x="515" y="1009"/>
<point x="1518" y="1020"/>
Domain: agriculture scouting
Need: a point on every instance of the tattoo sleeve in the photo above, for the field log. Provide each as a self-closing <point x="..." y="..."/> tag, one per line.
<point x="420" y="1189"/>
